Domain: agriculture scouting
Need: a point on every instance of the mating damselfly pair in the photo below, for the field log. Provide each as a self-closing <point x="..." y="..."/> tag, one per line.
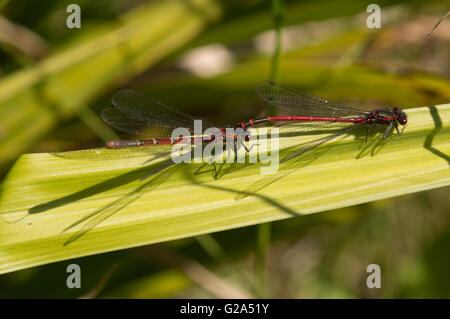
<point x="137" y="114"/>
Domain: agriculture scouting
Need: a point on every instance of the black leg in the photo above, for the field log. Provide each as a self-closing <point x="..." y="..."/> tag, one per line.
<point x="388" y="129"/>
<point x="396" y="127"/>
<point x="211" y="161"/>
<point x="245" y="147"/>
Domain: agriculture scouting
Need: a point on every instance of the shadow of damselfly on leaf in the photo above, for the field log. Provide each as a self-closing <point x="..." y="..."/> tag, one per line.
<point x="157" y="168"/>
<point x="155" y="171"/>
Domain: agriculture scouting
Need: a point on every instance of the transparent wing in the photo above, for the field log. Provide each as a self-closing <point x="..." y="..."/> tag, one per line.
<point x="125" y="123"/>
<point x="138" y="114"/>
<point x="142" y="108"/>
<point x="101" y="154"/>
<point x="289" y="101"/>
<point x="303" y="148"/>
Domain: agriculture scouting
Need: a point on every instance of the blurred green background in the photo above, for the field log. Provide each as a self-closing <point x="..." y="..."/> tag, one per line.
<point x="205" y="57"/>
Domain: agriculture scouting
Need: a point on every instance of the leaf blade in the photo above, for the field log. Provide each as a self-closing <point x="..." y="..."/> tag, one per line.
<point x="189" y="203"/>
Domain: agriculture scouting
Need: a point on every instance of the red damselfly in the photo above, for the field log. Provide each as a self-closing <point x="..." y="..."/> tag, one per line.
<point x="138" y="114"/>
<point x="294" y="107"/>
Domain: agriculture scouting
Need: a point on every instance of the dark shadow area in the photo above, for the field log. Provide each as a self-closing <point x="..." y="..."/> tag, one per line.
<point x="436" y="265"/>
<point x="163" y="173"/>
<point x="429" y="140"/>
<point x="287" y="169"/>
<point x="95" y="189"/>
<point x="244" y="193"/>
<point x="374" y="145"/>
<point x="101" y="214"/>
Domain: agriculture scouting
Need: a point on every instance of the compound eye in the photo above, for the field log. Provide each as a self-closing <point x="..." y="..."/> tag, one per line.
<point x="403" y="121"/>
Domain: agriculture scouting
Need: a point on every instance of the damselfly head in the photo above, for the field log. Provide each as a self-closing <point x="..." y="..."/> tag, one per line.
<point x="400" y="116"/>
